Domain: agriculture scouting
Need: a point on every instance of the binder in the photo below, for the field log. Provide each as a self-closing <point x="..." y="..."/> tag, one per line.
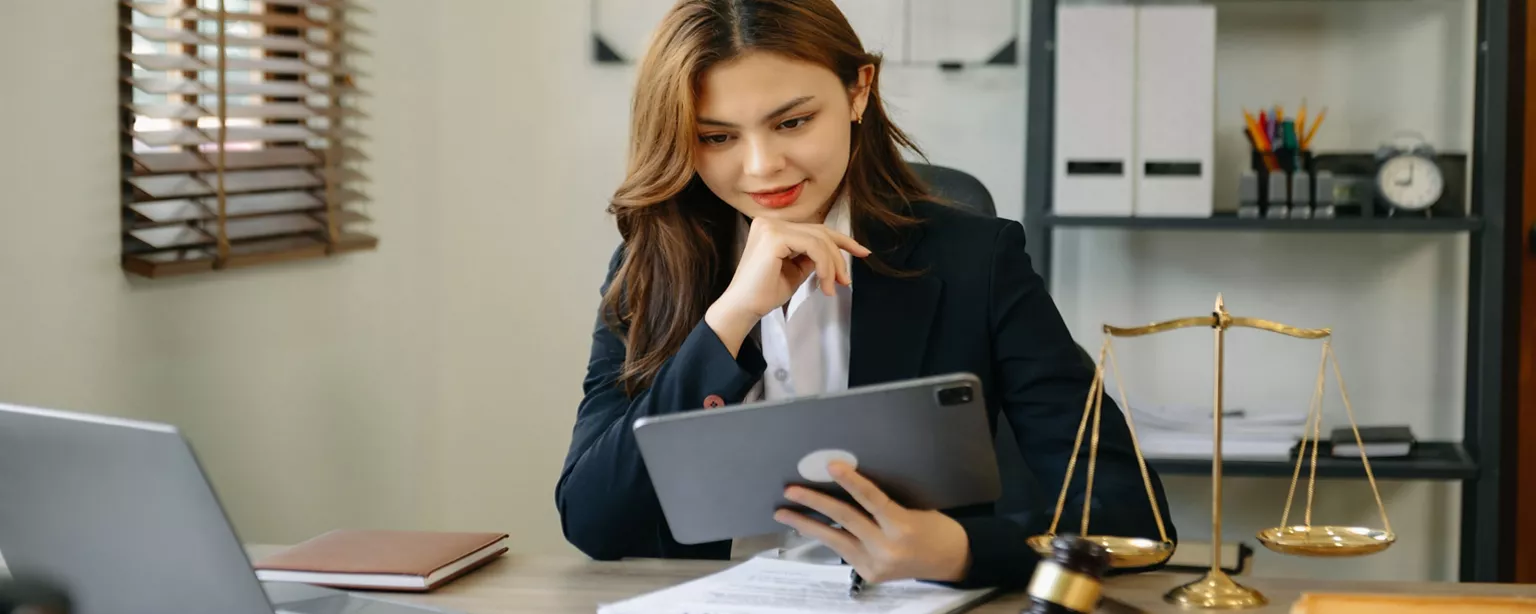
<point x="1094" y="108"/>
<point x="1175" y="110"/>
<point x="1135" y="110"/>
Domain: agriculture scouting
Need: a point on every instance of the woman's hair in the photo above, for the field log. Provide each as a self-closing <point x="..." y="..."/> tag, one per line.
<point x="679" y="237"/>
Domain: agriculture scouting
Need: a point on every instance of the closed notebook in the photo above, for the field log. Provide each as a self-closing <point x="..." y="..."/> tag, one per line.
<point x="1379" y="441"/>
<point x="385" y="560"/>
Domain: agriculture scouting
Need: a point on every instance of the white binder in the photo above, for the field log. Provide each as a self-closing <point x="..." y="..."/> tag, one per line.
<point x="1135" y="110"/>
<point x="1175" y="110"/>
<point x="1095" y="77"/>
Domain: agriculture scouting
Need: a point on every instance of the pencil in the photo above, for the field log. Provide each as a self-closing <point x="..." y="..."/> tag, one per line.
<point x="1301" y="120"/>
<point x="1306" y="141"/>
<point x="1255" y="133"/>
<point x="1260" y="140"/>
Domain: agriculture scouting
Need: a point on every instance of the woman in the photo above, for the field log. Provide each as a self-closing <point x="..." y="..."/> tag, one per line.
<point x="772" y="228"/>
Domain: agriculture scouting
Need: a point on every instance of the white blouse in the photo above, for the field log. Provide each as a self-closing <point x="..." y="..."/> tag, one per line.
<point x="806" y="349"/>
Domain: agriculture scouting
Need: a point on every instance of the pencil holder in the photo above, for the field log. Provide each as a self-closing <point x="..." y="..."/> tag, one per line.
<point x="1303" y="184"/>
<point x="1253" y="187"/>
<point x="1289" y="192"/>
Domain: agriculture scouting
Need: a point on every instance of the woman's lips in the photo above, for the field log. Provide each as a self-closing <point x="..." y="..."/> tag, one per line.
<point x="779" y="199"/>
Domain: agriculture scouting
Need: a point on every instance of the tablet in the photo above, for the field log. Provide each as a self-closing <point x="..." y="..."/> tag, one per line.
<point x="721" y="473"/>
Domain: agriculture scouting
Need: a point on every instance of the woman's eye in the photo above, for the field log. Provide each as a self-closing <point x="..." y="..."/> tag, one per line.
<point x="791" y="124"/>
<point x="714" y="139"/>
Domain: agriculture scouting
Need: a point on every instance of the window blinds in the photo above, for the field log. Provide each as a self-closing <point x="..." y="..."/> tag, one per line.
<point x="236" y="146"/>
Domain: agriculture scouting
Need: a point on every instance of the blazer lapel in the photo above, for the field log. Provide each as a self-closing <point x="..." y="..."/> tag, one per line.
<point x="892" y="316"/>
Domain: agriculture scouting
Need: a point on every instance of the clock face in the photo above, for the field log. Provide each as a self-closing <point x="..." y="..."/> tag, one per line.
<point x="1410" y="182"/>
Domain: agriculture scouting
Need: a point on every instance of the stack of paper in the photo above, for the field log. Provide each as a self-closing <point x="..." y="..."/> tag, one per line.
<point x="1187" y="432"/>
<point x="771" y="586"/>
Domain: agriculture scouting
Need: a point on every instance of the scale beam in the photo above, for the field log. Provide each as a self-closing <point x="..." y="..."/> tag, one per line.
<point x="1211" y="322"/>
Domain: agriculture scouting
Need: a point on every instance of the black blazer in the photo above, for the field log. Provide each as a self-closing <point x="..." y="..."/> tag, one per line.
<point x="978" y="307"/>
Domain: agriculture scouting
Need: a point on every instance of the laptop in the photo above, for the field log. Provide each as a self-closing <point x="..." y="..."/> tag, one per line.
<point x="119" y="514"/>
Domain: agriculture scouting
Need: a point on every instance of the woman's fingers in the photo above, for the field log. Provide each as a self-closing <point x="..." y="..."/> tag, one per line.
<point x="875" y="501"/>
<point x="808" y="242"/>
<point x="840" y="243"/>
<point x="835" y="261"/>
<point x="823" y="247"/>
<point x="842" y="542"/>
<point x="835" y="243"/>
<point x="804" y="266"/>
<point x="846" y="242"/>
<point x="853" y="519"/>
<point x="844" y="277"/>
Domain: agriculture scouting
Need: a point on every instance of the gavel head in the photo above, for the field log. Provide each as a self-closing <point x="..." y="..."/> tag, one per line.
<point x="1083" y="556"/>
<point x="1071" y="580"/>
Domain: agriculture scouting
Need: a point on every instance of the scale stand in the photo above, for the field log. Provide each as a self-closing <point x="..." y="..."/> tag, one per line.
<point x="1217" y="590"/>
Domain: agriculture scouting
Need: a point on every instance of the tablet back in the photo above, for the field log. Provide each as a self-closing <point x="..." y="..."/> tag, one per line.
<point x="721" y="473"/>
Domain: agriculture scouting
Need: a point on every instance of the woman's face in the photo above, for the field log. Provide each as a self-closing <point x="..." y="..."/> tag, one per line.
<point x="774" y="133"/>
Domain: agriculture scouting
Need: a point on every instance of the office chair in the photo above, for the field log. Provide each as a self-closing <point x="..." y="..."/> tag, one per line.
<point x="1019" y="487"/>
<point x="967" y="191"/>
<point x="957" y="186"/>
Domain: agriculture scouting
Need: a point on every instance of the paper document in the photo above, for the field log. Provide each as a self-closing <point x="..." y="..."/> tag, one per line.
<point x="771" y="586"/>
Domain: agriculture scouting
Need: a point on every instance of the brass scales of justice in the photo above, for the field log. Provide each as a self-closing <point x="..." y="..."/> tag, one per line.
<point x="1217" y="590"/>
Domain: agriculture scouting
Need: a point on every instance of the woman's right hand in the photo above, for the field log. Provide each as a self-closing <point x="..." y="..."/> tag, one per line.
<point x="779" y="256"/>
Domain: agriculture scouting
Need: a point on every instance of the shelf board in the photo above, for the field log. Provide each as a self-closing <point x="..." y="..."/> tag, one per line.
<point x="1232" y="222"/>
<point x="1431" y="460"/>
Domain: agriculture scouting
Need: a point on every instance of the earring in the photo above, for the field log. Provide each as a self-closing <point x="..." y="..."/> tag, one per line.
<point x="859" y="120"/>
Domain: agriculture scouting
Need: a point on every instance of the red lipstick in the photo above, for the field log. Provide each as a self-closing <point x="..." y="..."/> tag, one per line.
<point x="780" y="198"/>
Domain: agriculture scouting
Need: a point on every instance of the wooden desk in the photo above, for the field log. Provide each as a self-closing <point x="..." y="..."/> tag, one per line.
<point x="567" y="584"/>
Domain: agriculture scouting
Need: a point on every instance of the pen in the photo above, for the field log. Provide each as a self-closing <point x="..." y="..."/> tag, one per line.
<point x="855" y="583"/>
<point x="1289" y="143"/>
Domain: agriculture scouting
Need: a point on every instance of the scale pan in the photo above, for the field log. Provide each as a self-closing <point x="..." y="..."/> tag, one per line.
<point x="1303" y="540"/>
<point x="1124" y="552"/>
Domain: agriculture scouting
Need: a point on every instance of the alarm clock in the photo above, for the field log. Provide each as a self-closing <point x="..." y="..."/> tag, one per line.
<point x="1408" y="178"/>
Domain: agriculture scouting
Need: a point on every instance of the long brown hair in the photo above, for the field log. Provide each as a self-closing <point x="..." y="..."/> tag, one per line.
<point x="679" y="237"/>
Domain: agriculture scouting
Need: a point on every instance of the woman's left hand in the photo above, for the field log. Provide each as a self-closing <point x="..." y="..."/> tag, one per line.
<point x="884" y="541"/>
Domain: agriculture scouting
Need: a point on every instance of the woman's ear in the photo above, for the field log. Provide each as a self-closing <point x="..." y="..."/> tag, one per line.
<point x="859" y="95"/>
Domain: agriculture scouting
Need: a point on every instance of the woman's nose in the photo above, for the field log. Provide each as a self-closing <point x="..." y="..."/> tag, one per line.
<point x="763" y="158"/>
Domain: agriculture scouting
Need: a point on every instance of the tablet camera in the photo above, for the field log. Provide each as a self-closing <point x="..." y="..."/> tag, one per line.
<point x="955" y="395"/>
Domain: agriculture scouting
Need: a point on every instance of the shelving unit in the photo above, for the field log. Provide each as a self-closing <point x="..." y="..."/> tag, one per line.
<point x="1232" y="222"/>
<point x="1486" y="518"/>
<point x="1431" y="460"/>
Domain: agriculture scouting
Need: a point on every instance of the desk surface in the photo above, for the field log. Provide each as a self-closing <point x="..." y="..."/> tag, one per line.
<point x="561" y="584"/>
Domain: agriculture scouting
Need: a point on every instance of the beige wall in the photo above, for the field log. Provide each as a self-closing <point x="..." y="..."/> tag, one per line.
<point x="433" y="383"/>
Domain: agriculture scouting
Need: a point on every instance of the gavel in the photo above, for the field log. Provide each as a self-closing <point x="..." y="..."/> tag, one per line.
<point x="1071" y="581"/>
